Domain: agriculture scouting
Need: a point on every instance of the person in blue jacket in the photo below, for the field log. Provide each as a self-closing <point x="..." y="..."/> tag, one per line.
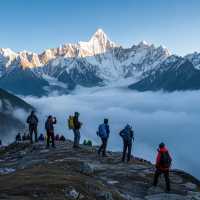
<point x="103" y="133"/>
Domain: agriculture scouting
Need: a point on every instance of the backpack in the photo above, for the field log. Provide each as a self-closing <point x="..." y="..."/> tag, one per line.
<point x="32" y="120"/>
<point x="127" y="134"/>
<point x="165" y="160"/>
<point x="87" y="143"/>
<point x="102" y="131"/>
<point x="71" y="122"/>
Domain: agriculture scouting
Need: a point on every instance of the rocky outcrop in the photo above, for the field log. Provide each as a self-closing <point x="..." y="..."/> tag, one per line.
<point x="33" y="172"/>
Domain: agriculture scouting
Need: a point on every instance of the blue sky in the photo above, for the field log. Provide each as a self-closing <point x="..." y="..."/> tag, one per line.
<point x="38" y="24"/>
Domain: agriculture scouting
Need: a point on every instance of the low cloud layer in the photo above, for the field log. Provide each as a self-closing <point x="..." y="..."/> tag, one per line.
<point x="12" y="121"/>
<point x="173" y="118"/>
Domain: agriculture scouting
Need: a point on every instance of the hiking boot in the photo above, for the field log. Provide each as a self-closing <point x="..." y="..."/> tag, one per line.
<point x="76" y="147"/>
<point x="167" y="191"/>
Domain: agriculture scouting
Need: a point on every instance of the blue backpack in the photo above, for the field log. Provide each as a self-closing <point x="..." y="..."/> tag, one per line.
<point x="102" y="131"/>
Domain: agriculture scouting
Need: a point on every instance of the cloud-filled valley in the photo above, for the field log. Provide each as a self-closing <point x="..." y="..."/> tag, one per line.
<point x="155" y="116"/>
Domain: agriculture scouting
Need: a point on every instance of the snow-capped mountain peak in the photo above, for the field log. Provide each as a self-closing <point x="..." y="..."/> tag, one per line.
<point x="7" y="52"/>
<point x="99" y="43"/>
<point x="6" y="57"/>
<point x="194" y="58"/>
<point x="96" y="61"/>
<point x="143" y="43"/>
<point x="99" y="31"/>
<point x="100" y="37"/>
<point x="28" y="59"/>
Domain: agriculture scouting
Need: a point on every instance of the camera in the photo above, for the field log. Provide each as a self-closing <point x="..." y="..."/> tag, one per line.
<point x="54" y="119"/>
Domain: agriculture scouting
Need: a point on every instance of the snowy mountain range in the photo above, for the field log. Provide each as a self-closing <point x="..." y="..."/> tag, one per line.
<point x="96" y="62"/>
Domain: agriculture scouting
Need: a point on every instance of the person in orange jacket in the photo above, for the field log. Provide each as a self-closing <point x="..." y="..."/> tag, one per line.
<point x="163" y="164"/>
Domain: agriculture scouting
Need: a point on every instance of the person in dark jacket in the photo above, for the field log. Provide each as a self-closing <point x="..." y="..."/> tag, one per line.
<point x="18" y="137"/>
<point x="103" y="133"/>
<point x="41" y="138"/>
<point x="76" y="130"/>
<point x="49" y="126"/>
<point x="163" y="164"/>
<point x="24" y="137"/>
<point x="32" y="120"/>
<point x="62" y="138"/>
<point x="57" y="137"/>
<point x="127" y="135"/>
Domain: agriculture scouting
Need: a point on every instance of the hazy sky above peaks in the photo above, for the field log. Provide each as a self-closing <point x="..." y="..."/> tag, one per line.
<point x="35" y="25"/>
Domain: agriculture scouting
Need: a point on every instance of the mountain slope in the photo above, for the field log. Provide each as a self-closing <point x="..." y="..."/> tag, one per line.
<point x="23" y="82"/>
<point x="86" y="76"/>
<point x="194" y="58"/>
<point x="14" y="101"/>
<point x="10" y="123"/>
<point x="170" y="76"/>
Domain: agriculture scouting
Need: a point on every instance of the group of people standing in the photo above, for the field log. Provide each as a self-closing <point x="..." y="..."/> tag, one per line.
<point x="163" y="161"/>
<point x="127" y="135"/>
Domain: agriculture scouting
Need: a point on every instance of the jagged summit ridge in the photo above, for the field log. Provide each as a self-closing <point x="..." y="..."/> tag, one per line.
<point x="99" y="43"/>
<point x="88" y="63"/>
<point x="95" y="62"/>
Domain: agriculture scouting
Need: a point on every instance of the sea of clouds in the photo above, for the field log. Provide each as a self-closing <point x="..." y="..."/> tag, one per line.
<point x="172" y="118"/>
<point x="12" y="121"/>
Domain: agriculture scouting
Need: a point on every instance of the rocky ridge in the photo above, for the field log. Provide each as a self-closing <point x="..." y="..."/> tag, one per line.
<point x="33" y="172"/>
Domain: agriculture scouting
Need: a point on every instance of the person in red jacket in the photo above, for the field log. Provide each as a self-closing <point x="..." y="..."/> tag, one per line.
<point x="163" y="164"/>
